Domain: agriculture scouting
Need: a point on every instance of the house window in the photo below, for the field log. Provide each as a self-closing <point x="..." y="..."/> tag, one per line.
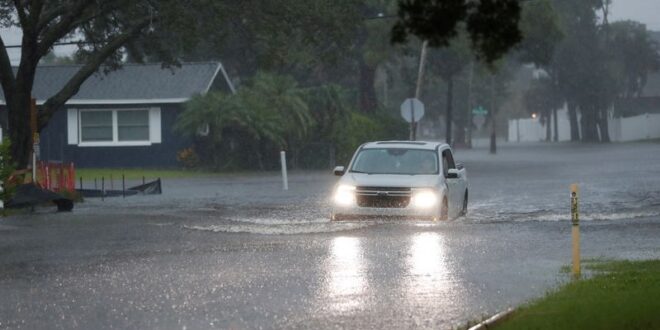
<point x="95" y="126"/>
<point x="125" y="127"/>
<point x="133" y="125"/>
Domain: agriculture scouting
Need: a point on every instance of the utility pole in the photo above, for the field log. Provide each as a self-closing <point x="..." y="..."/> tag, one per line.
<point x="493" y="135"/>
<point x="469" y="105"/>
<point x="450" y="87"/>
<point x="418" y="89"/>
<point x="35" y="138"/>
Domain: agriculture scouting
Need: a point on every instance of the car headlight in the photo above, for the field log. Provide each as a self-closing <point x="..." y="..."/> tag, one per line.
<point x="344" y="195"/>
<point x="424" y="199"/>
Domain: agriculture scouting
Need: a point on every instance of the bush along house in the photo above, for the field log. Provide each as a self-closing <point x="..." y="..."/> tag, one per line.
<point x="124" y="118"/>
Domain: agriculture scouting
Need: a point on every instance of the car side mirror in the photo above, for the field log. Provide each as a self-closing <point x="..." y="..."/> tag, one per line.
<point x="452" y="173"/>
<point x="339" y="170"/>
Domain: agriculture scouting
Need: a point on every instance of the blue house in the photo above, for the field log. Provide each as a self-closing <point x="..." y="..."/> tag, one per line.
<point x="124" y="118"/>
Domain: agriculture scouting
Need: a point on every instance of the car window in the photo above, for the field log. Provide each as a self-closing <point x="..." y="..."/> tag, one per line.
<point x="396" y="161"/>
<point x="447" y="162"/>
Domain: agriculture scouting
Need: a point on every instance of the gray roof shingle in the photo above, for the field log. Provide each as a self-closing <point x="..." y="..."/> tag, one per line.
<point x="132" y="83"/>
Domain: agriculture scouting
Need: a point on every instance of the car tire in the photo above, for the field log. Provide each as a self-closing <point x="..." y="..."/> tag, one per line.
<point x="444" y="210"/>
<point x="465" y="204"/>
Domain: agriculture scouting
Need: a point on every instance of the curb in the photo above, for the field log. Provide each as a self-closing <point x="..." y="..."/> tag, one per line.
<point x="494" y="320"/>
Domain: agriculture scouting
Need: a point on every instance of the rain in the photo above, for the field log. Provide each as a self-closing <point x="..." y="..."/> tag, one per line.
<point x="204" y="176"/>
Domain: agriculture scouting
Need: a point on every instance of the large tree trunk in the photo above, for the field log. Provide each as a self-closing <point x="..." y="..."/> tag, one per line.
<point x="19" y="129"/>
<point x="572" y="118"/>
<point x="603" y="126"/>
<point x="450" y="96"/>
<point x="18" y="107"/>
<point x="459" y="141"/>
<point x="368" y="101"/>
<point x="493" y="119"/>
<point x="589" y="126"/>
<point x="493" y="138"/>
<point x="548" y="123"/>
<point x="556" y="128"/>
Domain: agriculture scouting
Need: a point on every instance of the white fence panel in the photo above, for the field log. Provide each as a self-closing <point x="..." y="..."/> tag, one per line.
<point x="642" y="127"/>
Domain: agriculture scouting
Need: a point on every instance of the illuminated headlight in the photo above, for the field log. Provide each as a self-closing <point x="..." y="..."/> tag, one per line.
<point x="424" y="199"/>
<point x="345" y="195"/>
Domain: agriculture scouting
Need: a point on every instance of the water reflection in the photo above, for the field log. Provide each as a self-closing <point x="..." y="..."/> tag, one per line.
<point x="347" y="281"/>
<point x="428" y="265"/>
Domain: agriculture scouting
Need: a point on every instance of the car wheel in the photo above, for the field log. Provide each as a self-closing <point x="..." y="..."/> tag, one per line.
<point x="336" y="217"/>
<point x="444" y="211"/>
<point x="465" y="204"/>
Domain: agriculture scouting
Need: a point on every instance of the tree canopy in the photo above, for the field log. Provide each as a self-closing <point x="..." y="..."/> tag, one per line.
<point x="492" y="25"/>
<point x="105" y="32"/>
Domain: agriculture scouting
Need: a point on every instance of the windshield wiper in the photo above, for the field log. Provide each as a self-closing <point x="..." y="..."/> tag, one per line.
<point x="354" y="171"/>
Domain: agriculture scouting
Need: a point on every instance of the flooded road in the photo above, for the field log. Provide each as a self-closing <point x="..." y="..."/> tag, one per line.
<point x="238" y="252"/>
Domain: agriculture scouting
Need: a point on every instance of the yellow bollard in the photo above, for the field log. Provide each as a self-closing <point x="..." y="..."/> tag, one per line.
<point x="575" y="220"/>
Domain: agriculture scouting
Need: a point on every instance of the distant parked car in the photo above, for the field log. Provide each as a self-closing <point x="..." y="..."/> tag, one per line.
<point x="411" y="179"/>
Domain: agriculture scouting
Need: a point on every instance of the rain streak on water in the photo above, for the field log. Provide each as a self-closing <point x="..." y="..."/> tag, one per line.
<point x="517" y="185"/>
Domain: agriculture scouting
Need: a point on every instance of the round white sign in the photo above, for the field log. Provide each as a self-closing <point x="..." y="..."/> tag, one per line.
<point x="412" y="108"/>
<point x="478" y="120"/>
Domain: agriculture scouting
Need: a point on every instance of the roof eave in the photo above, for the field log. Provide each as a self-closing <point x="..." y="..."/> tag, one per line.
<point x="118" y="101"/>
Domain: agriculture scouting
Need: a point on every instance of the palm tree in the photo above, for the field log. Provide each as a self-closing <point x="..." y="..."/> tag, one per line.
<point x="269" y="112"/>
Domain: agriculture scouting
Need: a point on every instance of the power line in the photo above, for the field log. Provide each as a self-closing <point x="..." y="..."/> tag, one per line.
<point x="69" y="43"/>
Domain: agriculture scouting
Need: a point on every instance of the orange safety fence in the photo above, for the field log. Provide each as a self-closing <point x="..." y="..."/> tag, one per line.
<point x="56" y="176"/>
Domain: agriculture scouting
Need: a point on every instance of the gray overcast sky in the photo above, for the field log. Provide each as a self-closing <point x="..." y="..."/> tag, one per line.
<point x="645" y="11"/>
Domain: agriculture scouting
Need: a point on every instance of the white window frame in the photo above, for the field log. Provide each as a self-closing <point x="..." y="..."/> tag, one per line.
<point x="75" y="135"/>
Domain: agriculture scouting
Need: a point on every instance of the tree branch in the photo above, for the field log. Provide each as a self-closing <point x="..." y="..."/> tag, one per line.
<point x="50" y="15"/>
<point x="7" y="78"/>
<point x="63" y="27"/>
<point x="35" y="11"/>
<point x="72" y="87"/>
<point x="22" y="17"/>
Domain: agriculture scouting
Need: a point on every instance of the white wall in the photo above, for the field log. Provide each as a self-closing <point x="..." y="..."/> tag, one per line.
<point x="531" y="130"/>
<point x="642" y="127"/>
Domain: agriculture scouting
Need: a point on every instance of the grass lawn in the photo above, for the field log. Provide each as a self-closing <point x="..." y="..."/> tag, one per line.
<point x="622" y="295"/>
<point x="137" y="174"/>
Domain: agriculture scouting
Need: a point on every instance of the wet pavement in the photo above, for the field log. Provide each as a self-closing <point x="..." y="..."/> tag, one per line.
<point x="238" y="252"/>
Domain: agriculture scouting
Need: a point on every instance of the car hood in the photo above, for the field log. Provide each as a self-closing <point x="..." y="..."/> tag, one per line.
<point x="390" y="180"/>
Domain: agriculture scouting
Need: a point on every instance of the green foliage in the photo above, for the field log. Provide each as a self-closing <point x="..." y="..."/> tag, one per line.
<point x="361" y="128"/>
<point x="266" y="115"/>
<point x="305" y="39"/>
<point x="491" y="24"/>
<point x="452" y="59"/>
<point x="7" y="167"/>
<point x="542" y="97"/>
<point x="188" y="158"/>
<point x="541" y="32"/>
<point x="331" y="107"/>
<point x="636" y="53"/>
<point x="271" y="113"/>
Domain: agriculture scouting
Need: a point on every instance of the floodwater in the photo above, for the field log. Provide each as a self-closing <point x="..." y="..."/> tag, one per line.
<point x="238" y="252"/>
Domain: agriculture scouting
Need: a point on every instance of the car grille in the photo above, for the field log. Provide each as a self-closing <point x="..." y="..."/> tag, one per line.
<point x="383" y="197"/>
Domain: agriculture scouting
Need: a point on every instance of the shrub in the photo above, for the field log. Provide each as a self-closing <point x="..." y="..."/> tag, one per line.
<point x="188" y="158"/>
<point x="361" y="128"/>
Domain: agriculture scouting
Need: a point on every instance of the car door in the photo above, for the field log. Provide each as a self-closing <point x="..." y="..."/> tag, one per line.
<point x="455" y="186"/>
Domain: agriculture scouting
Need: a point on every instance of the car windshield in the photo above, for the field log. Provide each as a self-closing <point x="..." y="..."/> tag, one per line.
<point x="396" y="161"/>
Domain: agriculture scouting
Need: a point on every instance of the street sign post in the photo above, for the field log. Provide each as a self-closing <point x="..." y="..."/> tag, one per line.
<point x="479" y="121"/>
<point x="479" y="111"/>
<point x="412" y="110"/>
<point x="479" y="116"/>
